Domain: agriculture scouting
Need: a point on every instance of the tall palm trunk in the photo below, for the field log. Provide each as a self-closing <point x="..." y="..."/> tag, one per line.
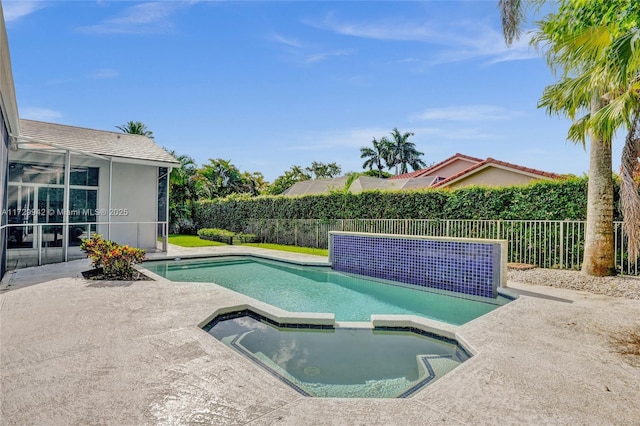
<point x="629" y="196"/>
<point x="598" y="249"/>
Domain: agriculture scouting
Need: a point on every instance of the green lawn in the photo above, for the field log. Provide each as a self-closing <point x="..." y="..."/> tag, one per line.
<point x="295" y="249"/>
<point x="195" y="241"/>
<point x="191" y="241"/>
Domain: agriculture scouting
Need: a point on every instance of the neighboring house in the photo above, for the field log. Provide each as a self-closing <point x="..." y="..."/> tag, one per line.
<point x="365" y="183"/>
<point x="362" y="183"/>
<point x="456" y="171"/>
<point x="492" y="172"/>
<point x="63" y="183"/>
<point x="442" y="170"/>
<point x="316" y="186"/>
<point x="462" y="170"/>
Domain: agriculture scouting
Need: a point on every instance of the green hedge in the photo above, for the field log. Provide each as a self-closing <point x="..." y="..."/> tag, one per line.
<point x="224" y="236"/>
<point x="550" y="200"/>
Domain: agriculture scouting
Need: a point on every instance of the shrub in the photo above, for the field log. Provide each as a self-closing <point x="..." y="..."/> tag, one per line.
<point x="225" y="236"/>
<point x="115" y="260"/>
<point x="548" y="200"/>
<point x="183" y="226"/>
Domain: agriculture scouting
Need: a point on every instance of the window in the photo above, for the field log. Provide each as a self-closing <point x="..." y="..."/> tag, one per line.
<point x="52" y="174"/>
<point x="84" y="176"/>
<point x="163" y="181"/>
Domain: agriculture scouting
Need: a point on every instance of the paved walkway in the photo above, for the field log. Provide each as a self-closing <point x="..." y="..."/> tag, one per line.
<point x="76" y="352"/>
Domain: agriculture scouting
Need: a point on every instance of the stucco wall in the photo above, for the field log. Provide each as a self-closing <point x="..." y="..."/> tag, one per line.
<point x="4" y="159"/>
<point x="493" y="176"/>
<point x="8" y="124"/>
<point x="134" y="199"/>
<point x="453" y="168"/>
<point x="8" y="103"/>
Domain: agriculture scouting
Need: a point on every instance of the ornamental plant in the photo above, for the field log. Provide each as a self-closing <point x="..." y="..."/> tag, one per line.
<point x="225" y="236"/>
<point x="115" y="260"/>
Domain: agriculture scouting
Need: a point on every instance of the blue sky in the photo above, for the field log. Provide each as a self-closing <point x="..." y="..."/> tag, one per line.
<point x="271" y="84"/>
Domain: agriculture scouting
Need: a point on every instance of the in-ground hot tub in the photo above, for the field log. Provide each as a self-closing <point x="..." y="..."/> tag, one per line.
<point x="323" y="361"/>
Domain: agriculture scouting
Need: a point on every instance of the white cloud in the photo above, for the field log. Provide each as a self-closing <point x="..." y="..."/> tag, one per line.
<point x="278" y="38"/>
<point x="14" y="10"/>
<point x="385" y="30"/>
<point x="319" y="57"/>
<point x="103" y="74"/>
<point x="467" y="113"/>
<point x="339" y="138"/>
<point x="39" y="114"/>
<point x="303" y="53"/>
<point x="457" y="41"/>
<point x="151" y="17"/>
<point x="427" y="135"/>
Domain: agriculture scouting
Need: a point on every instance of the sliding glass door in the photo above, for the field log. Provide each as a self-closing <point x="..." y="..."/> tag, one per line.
<point x="36" y="210"/>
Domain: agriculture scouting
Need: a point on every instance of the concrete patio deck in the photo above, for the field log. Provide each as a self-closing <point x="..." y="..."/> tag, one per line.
<point x="77" y="352"/>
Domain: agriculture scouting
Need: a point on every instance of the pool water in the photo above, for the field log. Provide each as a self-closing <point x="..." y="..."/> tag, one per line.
<point x="343" y="362"/>
<point x="320" y="289"/>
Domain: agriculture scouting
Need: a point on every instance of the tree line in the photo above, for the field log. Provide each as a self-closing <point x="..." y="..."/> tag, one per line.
<point x="219" y="178"/>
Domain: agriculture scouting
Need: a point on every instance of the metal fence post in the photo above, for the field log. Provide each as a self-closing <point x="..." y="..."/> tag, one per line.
<point x="561" y="261"/>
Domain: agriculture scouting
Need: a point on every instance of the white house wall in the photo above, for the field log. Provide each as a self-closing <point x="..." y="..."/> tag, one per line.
<point x="9" y="125"/>
<point x="134" y="196"/>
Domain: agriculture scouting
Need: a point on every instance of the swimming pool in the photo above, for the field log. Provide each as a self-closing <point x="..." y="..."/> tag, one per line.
<point x="320" y="289"/>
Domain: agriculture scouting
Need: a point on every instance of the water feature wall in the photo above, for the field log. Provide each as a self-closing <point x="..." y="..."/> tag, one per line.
<point x="470" y="266"/>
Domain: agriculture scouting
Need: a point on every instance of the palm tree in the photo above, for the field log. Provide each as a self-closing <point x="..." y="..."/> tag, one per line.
<point x="377" y="155"/>
<point x="321" y="170"/>
<point x="218" y="178"/>
<point x="598" y="54"/>
<point x="136" y="128"/>
<point x="595" y="45"/>
<point x="514" y="16"/>
<point x="182" y="190"/>
<point x="403" y="152"/>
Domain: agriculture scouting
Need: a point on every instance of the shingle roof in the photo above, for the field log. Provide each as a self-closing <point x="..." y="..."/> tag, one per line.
<point x="100" y="142"/>
<point x="431" y="169"/>
<point x="317" y="186"/>
<point x="362" y="183"/>
<point x="490" y="161"/>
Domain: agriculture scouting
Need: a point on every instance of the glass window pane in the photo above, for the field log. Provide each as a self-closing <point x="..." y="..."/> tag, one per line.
<point x="77" y="233"/>
<point x="52" y="174"/>
<point x="92" y="176"/>
<point x="84" y="176"/>
<point x="21" y="210"/>
<point x="83" y="204"/>
<point x="50" y="205"/>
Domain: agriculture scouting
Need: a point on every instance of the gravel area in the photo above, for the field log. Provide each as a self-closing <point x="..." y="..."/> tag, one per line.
<point x="618" y="286"/>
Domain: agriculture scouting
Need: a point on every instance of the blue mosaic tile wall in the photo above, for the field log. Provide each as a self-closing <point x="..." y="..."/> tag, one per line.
<point x="464" y="267"/>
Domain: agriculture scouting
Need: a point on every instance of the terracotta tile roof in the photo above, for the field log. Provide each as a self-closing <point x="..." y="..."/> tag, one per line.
<point x="100" y="142"/>
<point x="499" y="163"/>
<point x="431" y="169"/>
<point x="409" y="175"/>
